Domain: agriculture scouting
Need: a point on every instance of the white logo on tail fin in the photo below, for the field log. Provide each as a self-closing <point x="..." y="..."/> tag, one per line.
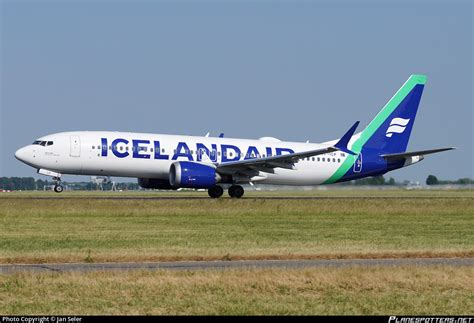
<point x="397" y="125"/>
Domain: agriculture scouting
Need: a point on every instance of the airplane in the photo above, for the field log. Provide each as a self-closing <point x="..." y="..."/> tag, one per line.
<point x="172" y="162"/>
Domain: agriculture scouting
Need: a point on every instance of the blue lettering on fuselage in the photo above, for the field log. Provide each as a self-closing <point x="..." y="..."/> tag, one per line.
<point x="279" y="151"/>
<point x="228" y="153"/>
<point x="158" y="154"/>
<point x="138" y="148"/>
<point x="115" y="149"/>
<point x="252" y="153"/>
<point x="182" y="150"/>
<point x="269" y="151"/>
<point x="103" y="146"/>
<point x="201" y="149"/>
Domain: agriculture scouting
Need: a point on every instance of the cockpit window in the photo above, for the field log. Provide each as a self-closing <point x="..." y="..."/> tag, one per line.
<point x="43" y="143"/>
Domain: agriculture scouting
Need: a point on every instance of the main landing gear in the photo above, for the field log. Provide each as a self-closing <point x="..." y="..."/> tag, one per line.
<point x="215" y="191"/>
<point x="235" y="191"/>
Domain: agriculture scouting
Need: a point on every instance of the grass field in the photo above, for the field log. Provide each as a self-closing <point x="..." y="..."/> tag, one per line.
<point x="357" y="224"/>
<point x="399" y="290"/>
<point x="340" y="224"/>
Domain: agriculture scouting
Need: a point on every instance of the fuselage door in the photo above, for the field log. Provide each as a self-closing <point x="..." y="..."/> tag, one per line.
<point x="358" y="164"/>
<point x="75" y="146"/>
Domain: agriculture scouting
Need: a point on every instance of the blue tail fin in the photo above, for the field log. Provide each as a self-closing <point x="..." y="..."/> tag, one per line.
<point x="390" y="130"/>
<point x="381" y="144"/>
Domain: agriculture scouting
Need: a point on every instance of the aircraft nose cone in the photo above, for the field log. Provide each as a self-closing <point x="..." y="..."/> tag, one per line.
<point x="21" y="154"/>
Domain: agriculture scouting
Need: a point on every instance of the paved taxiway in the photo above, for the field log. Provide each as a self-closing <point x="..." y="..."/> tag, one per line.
<point x="216" y="265"/>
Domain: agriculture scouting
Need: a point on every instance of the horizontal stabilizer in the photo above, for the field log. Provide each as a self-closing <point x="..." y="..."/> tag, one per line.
<point x="344" y="141"/>
<point x="414" y="153"/>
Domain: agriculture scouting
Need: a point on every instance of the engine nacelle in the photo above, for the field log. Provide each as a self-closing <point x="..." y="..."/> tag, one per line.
<point x="160" y="184"/>
<point x="193" y="175"/>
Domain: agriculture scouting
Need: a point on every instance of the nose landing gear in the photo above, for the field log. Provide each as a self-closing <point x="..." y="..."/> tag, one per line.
<point x="58" y="188"/>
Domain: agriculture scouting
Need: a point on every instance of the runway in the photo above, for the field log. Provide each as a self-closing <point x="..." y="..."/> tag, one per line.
<point x="241" y="264"/>
<point x="177" y="198"/>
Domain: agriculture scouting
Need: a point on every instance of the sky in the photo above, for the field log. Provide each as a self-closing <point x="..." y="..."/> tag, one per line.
<point x="295" y="70"/>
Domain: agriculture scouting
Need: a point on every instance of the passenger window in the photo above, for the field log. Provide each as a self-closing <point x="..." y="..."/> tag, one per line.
<point x="319" y="159"/>
<point x="126" y="148"/>
<point x="151" y="149"/>
<point x="334" y="160"/>
<point x="312" y="159"/>
<point x="324" y="159"/>
<point x="93" y="147"/>
<point x="162" y="150"/>
<point x="338" y="160"/>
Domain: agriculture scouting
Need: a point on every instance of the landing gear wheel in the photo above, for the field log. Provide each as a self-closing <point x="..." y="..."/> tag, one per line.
<point x="58" y="188"/>
<point x="215" y="191"/>
<point x="236" y="191"/>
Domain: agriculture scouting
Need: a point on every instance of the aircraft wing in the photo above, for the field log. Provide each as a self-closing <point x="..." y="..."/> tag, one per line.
<point x="267" y="164"/>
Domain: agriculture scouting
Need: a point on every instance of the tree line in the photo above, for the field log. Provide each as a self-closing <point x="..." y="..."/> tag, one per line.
<point x="433" y="180"/>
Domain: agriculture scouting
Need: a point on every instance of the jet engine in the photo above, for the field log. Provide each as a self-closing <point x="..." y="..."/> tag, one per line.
<point x="193" y="175"/>
<point x="155" y="183"/>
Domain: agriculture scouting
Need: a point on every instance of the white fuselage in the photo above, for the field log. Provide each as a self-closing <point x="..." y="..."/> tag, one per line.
<point x="142" y="155"/>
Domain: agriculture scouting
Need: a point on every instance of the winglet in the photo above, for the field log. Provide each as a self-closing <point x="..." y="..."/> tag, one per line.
<point x="344" y="141"/>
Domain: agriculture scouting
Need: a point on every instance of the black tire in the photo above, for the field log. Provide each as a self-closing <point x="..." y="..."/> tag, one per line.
<point x="58" y="188"/>
<point x="215" y="191"/>
<point x="236" y="191"/>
